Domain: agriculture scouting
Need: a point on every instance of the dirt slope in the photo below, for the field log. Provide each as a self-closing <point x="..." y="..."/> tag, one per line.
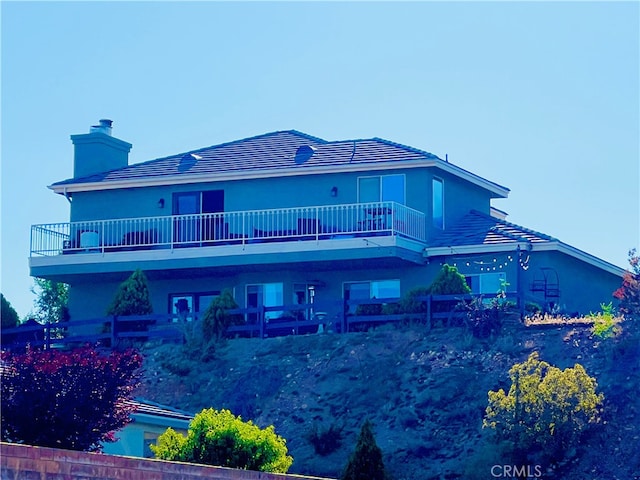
<point x="425" y="391"/>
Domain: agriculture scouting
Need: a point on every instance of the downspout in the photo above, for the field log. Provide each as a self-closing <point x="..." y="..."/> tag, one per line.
<point x="66" y="195"/>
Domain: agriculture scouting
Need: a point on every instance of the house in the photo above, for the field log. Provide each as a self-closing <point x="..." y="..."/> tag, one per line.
<point x="149" y="420"/>
<point x="286" y="218"/>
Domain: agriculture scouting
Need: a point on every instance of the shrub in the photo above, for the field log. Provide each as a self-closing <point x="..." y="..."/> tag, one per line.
<point x="629" y="291"/>
<point x="546" y="409"/>
<point x="8" y="315"/>
<point x="411" y="302"/>
<point x="71" y="400"/>
<point x="325" y="441"/>
<point x="604" y="325"/>
<point x="216" y="318"/>
<point x="220" y="438"/>
<point x="532" y="308"/>
<point x="365" y="462"/>
<point x="449" y="282"/>
<point x="369" y="309"/>
<point x="132" y="297"/>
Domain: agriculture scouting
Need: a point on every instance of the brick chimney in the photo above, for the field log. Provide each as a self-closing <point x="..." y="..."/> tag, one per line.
<point x="97" y="151"/>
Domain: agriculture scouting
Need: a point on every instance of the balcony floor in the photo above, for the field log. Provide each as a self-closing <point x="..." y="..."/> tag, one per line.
<point x="369" y="248"/>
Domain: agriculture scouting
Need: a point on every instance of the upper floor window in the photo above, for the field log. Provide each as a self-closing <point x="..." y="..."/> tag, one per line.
<point x="437" y="203"/>
<point x="382" y="188"/>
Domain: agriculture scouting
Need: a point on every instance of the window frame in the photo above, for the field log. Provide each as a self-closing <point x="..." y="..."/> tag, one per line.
<point x="352" y="308"/>
<point x="381" y="189"/>
<point x="195" y="310"/>
<point x="441" y="223"/>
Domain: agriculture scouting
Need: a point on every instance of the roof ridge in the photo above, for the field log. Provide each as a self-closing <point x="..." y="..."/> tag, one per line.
<point x="197" y="150"/>
<point x="232" y="142"/>
<point x="406" y="147"/>
<point x="515" y="225"/>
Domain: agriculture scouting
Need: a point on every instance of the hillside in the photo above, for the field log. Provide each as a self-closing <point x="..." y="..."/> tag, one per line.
<point x="425" y="391"/>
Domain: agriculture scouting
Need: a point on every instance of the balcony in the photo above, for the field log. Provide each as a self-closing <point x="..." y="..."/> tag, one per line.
<point x="229" y="228"/>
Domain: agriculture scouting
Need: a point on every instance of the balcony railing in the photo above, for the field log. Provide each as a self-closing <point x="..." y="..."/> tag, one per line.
<point x="226" y="228"/>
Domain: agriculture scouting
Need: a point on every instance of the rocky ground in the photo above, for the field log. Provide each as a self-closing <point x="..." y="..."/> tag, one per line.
<point x="424" y="390"/>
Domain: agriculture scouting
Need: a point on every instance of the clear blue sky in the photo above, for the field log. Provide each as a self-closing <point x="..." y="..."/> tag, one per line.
<point x="542" y="98"/>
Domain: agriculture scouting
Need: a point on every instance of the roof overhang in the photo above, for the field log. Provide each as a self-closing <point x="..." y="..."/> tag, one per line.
<point x="526" y="246"/>
<point x="66" y="189"/>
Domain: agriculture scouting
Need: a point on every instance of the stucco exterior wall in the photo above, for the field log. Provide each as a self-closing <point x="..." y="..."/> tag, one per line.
<point x="90" y="300"/>
<point x="583" y="287"/>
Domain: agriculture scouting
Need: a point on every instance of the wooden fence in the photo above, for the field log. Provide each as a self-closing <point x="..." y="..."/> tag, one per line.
<point x="339" y="316"/>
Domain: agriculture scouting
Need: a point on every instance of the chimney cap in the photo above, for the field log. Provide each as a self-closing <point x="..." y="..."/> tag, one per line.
<point x="104" y="126"/>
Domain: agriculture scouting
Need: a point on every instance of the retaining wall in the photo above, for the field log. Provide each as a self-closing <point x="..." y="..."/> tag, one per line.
<point x="24" y="462"/>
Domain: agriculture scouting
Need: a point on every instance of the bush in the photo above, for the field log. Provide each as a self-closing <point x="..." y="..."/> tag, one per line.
<point x="449" y="282"/>
<point x="546" y="409"/>
<point x="222" y="439"/>
<point x="72" y="400"/>
<point x="411" y="302"/>
<point x="8" y="315"/>
<point x="216" y="318"/>
<point x="365" y="462"/>
<point x="132" y="297"/>
<point x="325" y="441"/>
<point x="629" y="292"/>
<point x="369" y="309"/>
<point x="604" y="325"/>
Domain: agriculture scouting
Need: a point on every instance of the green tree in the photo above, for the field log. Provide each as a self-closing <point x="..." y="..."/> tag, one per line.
<point x="546" y="409"/>
<point x="449" y="282"/>
<point x="52" y="298"/>
<point x="216" y="318"/>
<point x="365" y="462"/>
<point x="132" y="297"/>
<point x="222" y="439"/>
<point x="8" y="315"/>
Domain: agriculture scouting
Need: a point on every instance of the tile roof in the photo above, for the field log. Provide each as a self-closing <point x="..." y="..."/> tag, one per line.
<point x="151" y="408"/>
<point x="276" y="150"/>
<point x="477" y="228"/>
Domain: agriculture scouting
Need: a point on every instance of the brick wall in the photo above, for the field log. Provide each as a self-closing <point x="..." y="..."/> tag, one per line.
<point x="23" y="462"/>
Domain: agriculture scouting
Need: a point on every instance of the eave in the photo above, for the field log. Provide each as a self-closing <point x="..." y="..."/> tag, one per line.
<point x="526" y="246"/>
<point x="498" y="191"/>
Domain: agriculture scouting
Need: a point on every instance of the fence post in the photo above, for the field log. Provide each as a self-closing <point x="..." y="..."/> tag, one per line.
<point x="261" y="312"/>
<point x="114" y="335"/>
<point x="47" y="336"/>
<point x="345" y="309"/>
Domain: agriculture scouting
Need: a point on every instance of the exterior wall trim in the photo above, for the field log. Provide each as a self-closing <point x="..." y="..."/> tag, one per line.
<point x="535" y="247"/>
<point x="62" y="188"/>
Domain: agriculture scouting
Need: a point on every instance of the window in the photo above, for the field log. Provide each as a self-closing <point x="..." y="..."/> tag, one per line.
<point x="362" y="291"/>
<point x="437" y="203"/>
<point x="385" y="188"/>
<point x="264" y="295"/>
<point x="185" y="305"/>
<point x="486" y="283"/>
<point x="303" y="294"/>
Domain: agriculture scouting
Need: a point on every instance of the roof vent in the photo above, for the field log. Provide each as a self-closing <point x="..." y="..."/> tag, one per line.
<point x="103" y="127"/>
<point x="304" y="153"/>
<point x="187" y="161"/>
